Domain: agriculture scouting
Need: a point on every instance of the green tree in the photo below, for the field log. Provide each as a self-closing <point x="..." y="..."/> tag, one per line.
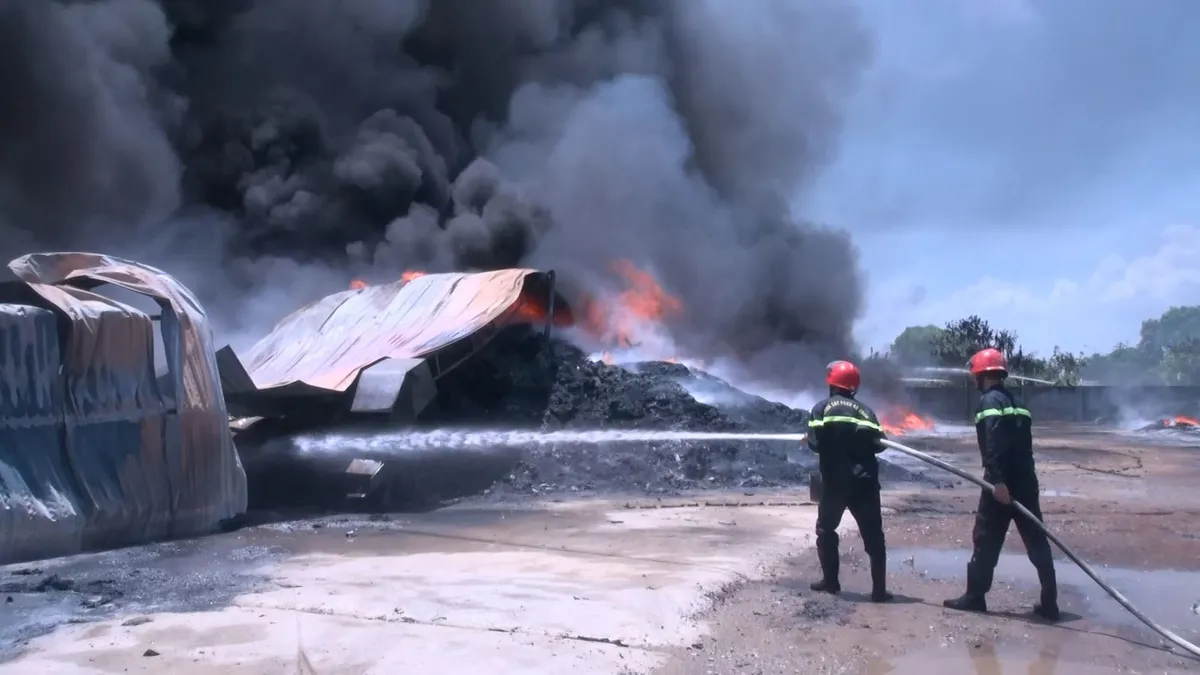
<point x="1180" y="363"/>
<point x="1176" y="326"/>
<point x="1163" y="355"/>
<point x="1168" y="351"/>
<point x="1065" y="368"/>
<point x="962" y="338"/>
<point x="916" y="346"/>
<point x="959" y="340"/>
<point x="1125" y="364"/>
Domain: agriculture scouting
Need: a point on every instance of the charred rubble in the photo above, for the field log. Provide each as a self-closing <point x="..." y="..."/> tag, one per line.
<point x="1178" y="423"/>
<point x="523" y="380"/>
<point x="559" y="388"/>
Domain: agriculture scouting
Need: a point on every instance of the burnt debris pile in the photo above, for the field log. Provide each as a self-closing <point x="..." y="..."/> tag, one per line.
<point x="1178" y="423"/>
<point x="523" y="381"/>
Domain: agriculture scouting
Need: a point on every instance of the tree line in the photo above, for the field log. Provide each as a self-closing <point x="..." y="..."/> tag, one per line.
<point x="1167" y="352"/>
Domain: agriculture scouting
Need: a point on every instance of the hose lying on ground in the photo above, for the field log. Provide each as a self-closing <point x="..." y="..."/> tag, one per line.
<point x="1116" y="595"/>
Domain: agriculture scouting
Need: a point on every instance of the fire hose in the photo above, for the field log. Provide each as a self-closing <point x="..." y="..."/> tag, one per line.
<point x="1178" y="641"/>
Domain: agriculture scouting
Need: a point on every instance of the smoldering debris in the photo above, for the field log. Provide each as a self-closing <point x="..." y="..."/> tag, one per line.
<point x="561" y="389"/>
<point x="1180" y="423"/>
<point x="360" y="139"/>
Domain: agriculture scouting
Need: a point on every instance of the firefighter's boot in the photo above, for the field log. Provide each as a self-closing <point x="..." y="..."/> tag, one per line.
<point x="975" y="599"/>
<point x="827" y="553"/>
<point x="879" y="591"/>
<point x="1048" y="607"/>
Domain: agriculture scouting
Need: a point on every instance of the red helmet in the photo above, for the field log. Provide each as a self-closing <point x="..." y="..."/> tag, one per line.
<point x="988" y="361"/>
<point x="843" y="375"/>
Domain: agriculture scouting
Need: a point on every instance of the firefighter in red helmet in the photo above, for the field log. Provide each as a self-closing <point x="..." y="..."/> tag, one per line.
<point x="845" y="434"/>
<point x="1003" y="427"/>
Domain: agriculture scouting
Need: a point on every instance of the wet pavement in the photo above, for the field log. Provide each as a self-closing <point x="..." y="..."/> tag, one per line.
<point x="1166" y="596"/>
<point x="1125" y="503"/>
<point x="985" y="659"/>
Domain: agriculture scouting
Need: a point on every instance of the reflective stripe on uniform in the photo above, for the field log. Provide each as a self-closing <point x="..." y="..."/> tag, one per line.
<point x="1001" y="412"/>
<point x="833" y="419"/>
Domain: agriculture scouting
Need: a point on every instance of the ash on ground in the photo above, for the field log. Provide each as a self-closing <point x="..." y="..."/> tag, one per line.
<point x="524" y="380"/>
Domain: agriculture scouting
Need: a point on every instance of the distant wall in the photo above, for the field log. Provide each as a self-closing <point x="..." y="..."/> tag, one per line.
<point x="1066" y="404"/>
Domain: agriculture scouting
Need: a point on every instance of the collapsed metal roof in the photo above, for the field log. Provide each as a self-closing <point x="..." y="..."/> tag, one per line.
<point x="378" y="337"/>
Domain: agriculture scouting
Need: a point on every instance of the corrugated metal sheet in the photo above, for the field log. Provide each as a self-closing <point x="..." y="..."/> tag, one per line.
<point x="138" y="458"/>
<point x="327" y="343"/>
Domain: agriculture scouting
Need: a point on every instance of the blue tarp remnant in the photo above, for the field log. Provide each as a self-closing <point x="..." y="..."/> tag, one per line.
<point x="96" y="449"/>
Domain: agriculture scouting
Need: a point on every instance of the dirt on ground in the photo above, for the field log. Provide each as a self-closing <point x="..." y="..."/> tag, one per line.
<point x="714" y="581"/>
<point x="1125" y="503"/>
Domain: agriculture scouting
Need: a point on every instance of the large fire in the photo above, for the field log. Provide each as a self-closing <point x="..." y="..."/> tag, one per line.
<point x="616" y="320"/>
<point x="898" y="421"/>
<point x="620" y="320"/>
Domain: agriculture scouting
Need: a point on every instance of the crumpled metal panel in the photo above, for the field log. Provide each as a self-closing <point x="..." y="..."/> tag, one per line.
<point x="394" y="386"/>
<point x="147" y="458"/>
<point x="327" y="343"/>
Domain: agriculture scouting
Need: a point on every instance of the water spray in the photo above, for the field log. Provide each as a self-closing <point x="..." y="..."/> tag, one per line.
<point x="409" y="442"/>
<point x="482" y="440"/>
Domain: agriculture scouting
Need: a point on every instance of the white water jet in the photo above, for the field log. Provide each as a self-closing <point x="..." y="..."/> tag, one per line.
<point x="405" y="442"/>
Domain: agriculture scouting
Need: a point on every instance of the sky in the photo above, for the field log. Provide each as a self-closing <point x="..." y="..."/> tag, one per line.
<point x="1035" y="163"/>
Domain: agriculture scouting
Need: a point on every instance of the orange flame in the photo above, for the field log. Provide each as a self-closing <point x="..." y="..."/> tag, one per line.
<point x="1181" y="421"/>
<point x="533" y="310"/>
<point x="619" y="319"/>
<point x="897" y="422"/>
<point x="409" y="275"/>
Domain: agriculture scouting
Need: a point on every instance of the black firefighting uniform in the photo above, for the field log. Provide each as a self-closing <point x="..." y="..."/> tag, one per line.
<point x="1004" y="429"/>
<point x="845" y="434"/>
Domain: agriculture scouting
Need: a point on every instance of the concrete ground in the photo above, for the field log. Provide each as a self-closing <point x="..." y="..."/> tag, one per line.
<point x="586" y="587"/>
<point x="1126" y="503"/>
<point x="712" y="584"/>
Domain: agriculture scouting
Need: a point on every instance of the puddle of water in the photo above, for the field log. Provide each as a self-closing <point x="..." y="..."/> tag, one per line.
<point x="1167" y="596"/>
<point x="984" y="659"/>
<point x="1059" y="493"/>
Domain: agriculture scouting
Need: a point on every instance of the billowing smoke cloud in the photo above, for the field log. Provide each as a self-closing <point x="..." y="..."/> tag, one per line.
<point x="265" y="150"/>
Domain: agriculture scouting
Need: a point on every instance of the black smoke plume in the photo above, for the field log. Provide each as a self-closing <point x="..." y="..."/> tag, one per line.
<point x="266" y="150"/>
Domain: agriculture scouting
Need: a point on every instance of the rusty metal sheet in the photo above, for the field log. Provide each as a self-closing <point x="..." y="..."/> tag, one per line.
<point x="144" y="457"/>
<point x="328" y="343"/>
